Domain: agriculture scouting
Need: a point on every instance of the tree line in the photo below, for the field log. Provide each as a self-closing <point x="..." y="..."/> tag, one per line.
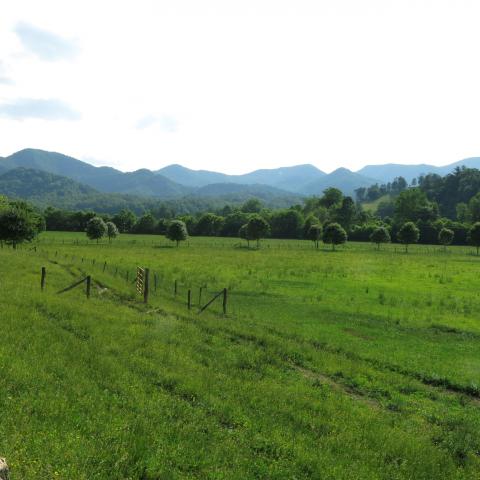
<point x="433" y="204"/>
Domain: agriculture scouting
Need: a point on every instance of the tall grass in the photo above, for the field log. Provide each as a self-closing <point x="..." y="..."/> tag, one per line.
<point x="354" y="364"/>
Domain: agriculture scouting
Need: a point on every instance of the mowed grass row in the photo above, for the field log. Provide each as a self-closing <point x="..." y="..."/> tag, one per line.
<point x="289" y="385"/>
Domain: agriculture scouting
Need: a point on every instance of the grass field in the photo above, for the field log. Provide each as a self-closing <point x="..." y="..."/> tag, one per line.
<point x="354" y="364"/>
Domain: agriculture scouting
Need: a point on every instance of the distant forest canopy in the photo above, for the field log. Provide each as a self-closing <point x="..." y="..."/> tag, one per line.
<point x="45" y="189"/>
<point x="432" y="202"/>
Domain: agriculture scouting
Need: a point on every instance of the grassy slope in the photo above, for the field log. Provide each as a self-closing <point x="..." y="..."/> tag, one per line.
<point x="355" y="364"/>
<point x="372" y="206"/>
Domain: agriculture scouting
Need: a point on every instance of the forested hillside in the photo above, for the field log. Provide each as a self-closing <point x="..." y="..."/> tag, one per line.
<point x="49" y="190"/>
<point x="434" y="204"/>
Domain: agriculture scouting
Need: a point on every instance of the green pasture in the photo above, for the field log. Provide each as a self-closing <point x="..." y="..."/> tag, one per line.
<point x="354" y="364"/>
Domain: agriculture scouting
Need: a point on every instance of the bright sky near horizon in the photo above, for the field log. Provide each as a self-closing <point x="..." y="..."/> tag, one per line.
<point x="234" y="86"/>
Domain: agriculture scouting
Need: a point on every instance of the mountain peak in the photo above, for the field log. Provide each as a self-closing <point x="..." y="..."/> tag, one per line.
<point x="341" y="170"/>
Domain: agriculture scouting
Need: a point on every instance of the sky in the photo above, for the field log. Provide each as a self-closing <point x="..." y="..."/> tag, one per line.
<point x="233" y="86"/>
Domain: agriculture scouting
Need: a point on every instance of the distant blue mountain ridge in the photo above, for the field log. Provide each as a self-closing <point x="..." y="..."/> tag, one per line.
<point x="176" y="181"/>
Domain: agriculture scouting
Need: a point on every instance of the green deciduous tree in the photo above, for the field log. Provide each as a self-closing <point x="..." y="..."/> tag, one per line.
<point x="112" y="231"/>
<point x="146" y="224"/>
<point x="286" y="224"/>
<point x="462" y="212"/>
<point x="331" y="197"/>
<point x="309" y="221"/>
<point x="474" y="235"/>
<point x="189" y="221"/>
<point x="408" y="234"/>
<point x="209" y="225"/>
<point x="257" y="228"/>
<point x="334" y="235"/>
<point x="412" y="205"/>
<point x="96" y="228"/>
<point x="386" y="208"/>
<point x="345" y="213"/>
<point x="252" y="205"/>
<point x="124" y="220"/>
<point x="18" y="223"/>
<point x="380" y="235"/>
<point x="233" y="222"/>
<point x="473" y="208"/>
<point x="243" y="233"/>
<point x="177" y="231"/>
<point x="315" y="234"/>
<point x="445" y="237"/>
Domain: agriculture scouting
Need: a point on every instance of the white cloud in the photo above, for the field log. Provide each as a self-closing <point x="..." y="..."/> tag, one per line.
<point x="4" y="78"/>
<point x="46" y="109"/>
<point x="44" y="44"/>
<point x="167" y="123"/>
<point x="252" y="84"/>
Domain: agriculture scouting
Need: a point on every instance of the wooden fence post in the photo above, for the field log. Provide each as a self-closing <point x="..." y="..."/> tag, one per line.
<point x="189" y="299"/>
<point x="224" y="301"/>
<point x="44" y="274"/>
<point x="89" y="284"/>
<point x="104" y="266"/>
<point x="200" y="296"/>
<point x="175" y="289"/>
<point x="146" y="286"/>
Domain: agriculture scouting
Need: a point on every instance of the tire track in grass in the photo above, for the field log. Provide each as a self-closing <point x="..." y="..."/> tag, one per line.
<point x="227" y="333"/>
<point x="441" y="383"/>
<point x="336" y="386"/>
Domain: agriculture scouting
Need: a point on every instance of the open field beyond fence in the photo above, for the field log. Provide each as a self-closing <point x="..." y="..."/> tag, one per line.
<point x="354" y="364"/>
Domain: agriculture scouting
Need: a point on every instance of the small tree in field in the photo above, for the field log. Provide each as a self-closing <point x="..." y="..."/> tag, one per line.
<point x="18" y="225"/>
<point x="380" y="235"/>
<point x="96" y="228"/>
<point x="243" y="233"/>
<point x="112" y="231"/>
<point x="408" y="234"/>
<point x="474" y="235"/>
<point x="177" y="231"/>
<point x="334" y="234"/>
<point x="445" y="237"/>
<point x="257" y="228"/>
<point x="314" y="234"/>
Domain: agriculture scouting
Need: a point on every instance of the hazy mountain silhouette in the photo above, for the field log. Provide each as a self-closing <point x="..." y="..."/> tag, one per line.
<point x="176" y="181"/>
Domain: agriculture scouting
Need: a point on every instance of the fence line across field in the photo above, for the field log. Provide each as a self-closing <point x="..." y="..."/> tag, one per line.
<point x="141" y="281"/>
<point x="87" y="280"/>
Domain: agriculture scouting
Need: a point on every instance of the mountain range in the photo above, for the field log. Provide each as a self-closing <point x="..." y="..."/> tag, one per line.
<point x="387" y="172"/>
<point x="20" y="176"/>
